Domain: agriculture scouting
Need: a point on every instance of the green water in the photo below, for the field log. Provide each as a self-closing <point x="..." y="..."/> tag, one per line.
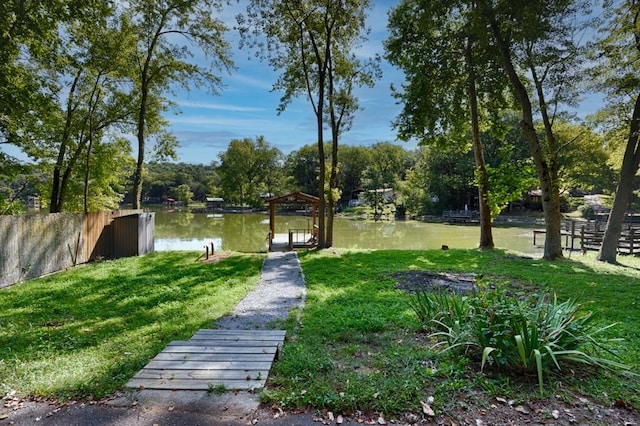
<point x="182" y="230"/>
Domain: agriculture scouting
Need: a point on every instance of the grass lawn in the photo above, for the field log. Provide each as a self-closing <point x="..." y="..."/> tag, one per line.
<point x="360" y="347"/>
<point x="86" y="331"/>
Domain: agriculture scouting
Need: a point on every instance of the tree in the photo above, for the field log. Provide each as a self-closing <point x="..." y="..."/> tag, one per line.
<point x="353" y="161"/>
<point x="312" y="43"/>
<point x="435" y="44"/>
<point x="539" y="38"/>
<point x="95" y="60"/>
<point x="162" y="61"/>
<point x="302" y="165"/>
<point x="618" y="71"/>
<point x="244" y="169"/>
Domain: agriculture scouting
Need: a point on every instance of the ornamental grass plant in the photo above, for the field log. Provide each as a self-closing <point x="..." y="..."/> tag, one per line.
<point x="537" y="334"/>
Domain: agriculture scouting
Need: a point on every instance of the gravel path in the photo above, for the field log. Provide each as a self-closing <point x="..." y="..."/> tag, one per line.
<point x="281" y="288"/>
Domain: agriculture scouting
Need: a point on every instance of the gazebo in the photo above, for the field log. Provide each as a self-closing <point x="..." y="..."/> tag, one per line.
<point x="296" y="238"/>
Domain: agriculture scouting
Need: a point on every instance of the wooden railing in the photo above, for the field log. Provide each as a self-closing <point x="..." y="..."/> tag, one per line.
<point x="591" y="233"/>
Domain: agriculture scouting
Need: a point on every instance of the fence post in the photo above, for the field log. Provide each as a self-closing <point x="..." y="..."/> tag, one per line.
<point x="206" y="250"/>
<point x="212" y="247"/>
<point x="584" y="250"/>
<point x="631" y="239"/>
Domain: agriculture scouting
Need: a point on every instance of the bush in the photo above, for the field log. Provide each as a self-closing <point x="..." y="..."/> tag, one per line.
<point x="587" y="211"/>
<point x="536" y="335"/>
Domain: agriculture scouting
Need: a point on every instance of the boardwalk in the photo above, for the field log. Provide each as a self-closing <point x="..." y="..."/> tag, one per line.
<point x="238" y="354"/>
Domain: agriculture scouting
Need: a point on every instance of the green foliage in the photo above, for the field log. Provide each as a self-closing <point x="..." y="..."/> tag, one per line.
<point x="86" y="331"/>
<point x="533" y="335"/>
<point x="509" y="180"/>
<point x="183" y="194"/>
<point x="247" y="170"/>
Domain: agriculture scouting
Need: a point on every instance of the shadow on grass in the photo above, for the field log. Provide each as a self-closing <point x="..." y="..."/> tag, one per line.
<point x="84" y="332"/>
<point x="359" y="346"/>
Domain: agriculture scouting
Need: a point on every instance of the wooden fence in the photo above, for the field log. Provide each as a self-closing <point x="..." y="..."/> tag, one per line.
<point x="589" y="235"/>
<point x="33" y="246"/>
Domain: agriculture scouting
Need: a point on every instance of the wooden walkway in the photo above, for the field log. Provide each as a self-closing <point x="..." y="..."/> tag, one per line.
<point x="235" y="359"/>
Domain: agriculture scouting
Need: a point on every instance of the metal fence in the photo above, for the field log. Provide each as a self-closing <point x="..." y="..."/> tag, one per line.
<point x="37" y="245"/>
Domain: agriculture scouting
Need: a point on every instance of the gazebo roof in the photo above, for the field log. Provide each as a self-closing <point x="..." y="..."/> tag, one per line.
<point x="294" y="198"/>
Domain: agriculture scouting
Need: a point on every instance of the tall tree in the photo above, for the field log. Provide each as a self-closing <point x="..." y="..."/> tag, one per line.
<point x="538" y="39"/>
<point x="162" y="61"/>
<point x="28" y="28"/>
<point x="311" y="42"/>
<point x="434" y="43"/>
<point x="618" y="53"/>
<point x="95" y="60"/>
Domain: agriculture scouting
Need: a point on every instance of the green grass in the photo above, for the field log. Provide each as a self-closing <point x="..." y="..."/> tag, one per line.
<point x="360" y="345"/>
<point x="85" y="332"/>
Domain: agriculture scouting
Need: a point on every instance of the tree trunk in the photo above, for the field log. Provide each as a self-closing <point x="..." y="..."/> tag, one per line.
<point x="57" y="198"/>
<point x="546" y="176"/>
<point x="630" y="162"/>
<point x="322" y="172"/>
<point x="137" y="180"/>
<point x="486" y="235"/>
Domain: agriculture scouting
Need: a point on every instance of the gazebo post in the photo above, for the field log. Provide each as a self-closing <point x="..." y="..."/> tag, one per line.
<point x="272" y="221"/>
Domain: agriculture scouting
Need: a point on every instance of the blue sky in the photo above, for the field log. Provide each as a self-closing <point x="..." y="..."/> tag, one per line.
<point x="247" y="108"/>
<point x="204" y="124"/>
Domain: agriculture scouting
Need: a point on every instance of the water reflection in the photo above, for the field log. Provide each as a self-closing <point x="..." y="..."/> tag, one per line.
<point x="182" y="230"/>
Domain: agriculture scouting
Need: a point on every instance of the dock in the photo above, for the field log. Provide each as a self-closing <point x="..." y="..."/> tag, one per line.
<point x="461" y="216"/>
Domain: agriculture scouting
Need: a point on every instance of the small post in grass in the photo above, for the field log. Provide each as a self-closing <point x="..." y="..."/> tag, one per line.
<point x="206" y="250"/>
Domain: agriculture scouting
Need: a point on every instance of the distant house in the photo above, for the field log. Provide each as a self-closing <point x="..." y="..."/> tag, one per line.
<point x="215" y="203"/>
<point x="361" y="196"/>
<point x="33" y="202"/>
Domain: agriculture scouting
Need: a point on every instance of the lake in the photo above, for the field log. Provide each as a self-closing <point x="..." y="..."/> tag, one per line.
<point x="185" y="230"/>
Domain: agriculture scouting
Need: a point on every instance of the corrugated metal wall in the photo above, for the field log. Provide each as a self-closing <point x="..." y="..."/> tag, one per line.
<point x="33" y="246"/>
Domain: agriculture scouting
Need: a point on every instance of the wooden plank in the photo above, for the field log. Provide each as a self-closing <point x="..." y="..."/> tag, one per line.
<point x="204" y="365"/>
<point x="238" y="336"/>
<point x="254" y="333"/>
<point x="207" y="346"/>
<point x="225" y="343"/>
<point x="201" y="374"/>
<point x="195" y="384"/>
<point x="274" y="339"/>
<point x="179" y="356"/>
<point x="220" y="350"/>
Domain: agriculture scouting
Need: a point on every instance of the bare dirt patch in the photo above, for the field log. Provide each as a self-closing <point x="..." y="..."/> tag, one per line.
<point x="414" y="281"/>
<point x="215" y="258"/>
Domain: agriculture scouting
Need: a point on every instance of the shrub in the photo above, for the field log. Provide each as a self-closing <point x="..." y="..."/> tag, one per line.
<point x="535" y="335"/>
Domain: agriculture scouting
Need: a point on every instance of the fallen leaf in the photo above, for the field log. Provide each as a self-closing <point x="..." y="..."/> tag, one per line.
<point x="381" y="421"/>
<point x="479" y="422"/>
<point x="375" y="395"/>
<point x="426" y="409"/>
<point x="430" y="400"/>
<point x="330" y="416"/>
<point x="170" y="408"/>
<point x="339" y="420"/>
<point x="555" y="414"/>
<point x="303" y="391"/>
<point x="521" y="409"/>
<point x="500" y="399"/>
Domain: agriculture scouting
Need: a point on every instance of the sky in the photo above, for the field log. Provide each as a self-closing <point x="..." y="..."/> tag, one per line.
<point x="246" y="107"/>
